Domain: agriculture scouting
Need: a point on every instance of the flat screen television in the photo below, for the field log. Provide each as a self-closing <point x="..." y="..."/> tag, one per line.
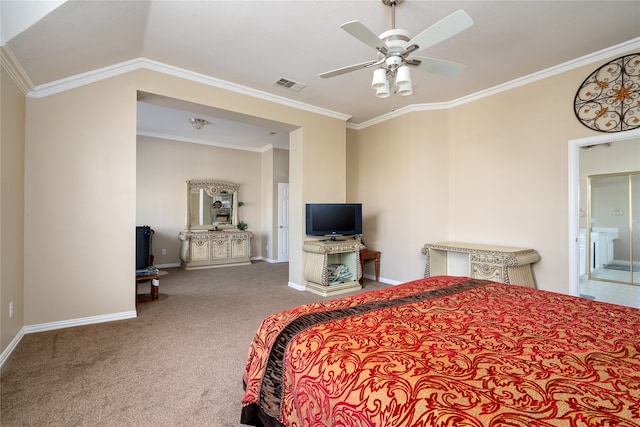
<point x="333" y="219"/>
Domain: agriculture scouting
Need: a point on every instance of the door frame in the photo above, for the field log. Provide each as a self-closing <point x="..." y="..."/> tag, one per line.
<point x="574" y="197"/>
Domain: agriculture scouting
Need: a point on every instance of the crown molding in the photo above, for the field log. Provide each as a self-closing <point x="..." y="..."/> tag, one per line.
<point x="22" y="80"/>
<point x="93" y="76"/>
<point x="11" y="65"/>
<point x="82" y="79"/>
<point x="397" y="113"/>
<point x="616" y="50"/>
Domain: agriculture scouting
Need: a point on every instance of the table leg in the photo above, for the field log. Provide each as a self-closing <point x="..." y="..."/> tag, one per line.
<point x="378" y="267"/>
<point x="155" y="285"/>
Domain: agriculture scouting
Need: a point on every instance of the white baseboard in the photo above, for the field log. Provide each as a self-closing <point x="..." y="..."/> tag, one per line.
<point x="42" y="327"/>
<point x="170" y="265"/>
<point x="297" y="287"/>
<point x="382" y="279"/>
<point x="269" y="260"/>
<point x="12" y="345"/>
<point x="255" y="258"/>
<point x="80" y="322"/>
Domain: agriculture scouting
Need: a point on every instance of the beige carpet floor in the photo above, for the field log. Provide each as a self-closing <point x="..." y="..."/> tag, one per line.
<point x="179" y="363"/>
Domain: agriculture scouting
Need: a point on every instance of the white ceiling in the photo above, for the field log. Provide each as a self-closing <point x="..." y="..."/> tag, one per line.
<point x="163" y="117"/>
<point x="252" y="44"/>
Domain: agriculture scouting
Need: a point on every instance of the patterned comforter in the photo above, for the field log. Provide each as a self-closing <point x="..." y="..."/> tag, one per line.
<point x="446" y="351"/>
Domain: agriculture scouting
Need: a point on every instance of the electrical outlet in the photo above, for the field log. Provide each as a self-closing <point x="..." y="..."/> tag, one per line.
<point x="11" y="309"/>
<point x="164" y="252"/>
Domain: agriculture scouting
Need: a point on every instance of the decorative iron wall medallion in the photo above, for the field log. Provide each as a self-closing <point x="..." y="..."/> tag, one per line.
<point x="609" y="99"/>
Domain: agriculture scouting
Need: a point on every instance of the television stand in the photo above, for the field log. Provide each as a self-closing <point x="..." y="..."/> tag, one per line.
<point x="322" y="255"/>
<point x="334" y="239"/>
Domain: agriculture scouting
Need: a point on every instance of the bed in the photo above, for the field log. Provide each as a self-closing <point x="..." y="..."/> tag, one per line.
<point x="446" y="351"/>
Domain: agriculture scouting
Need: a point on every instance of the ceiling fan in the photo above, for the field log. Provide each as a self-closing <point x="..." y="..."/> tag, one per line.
<point x="395" y="47"/>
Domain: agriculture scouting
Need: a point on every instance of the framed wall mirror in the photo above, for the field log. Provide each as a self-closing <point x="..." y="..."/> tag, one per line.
<point x="211" y="205"/>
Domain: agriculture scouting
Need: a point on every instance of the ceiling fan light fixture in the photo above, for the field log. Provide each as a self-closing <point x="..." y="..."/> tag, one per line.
<point x="393" y="62"/>
<point x="394" y="47"/>
<point x="379" y="78"/>
<point x="403" y="76"/>
<point x="405" y="90"/>
<point x="384" y="91"/>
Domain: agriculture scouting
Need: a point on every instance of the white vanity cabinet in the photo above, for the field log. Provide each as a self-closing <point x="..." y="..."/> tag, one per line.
<point x="209" y="249"/>
<point x="603" y="249"/>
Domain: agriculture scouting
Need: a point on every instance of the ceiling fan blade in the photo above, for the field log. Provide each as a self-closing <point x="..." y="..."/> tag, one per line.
<point x="365" y="35"/>
<point x="436" y="66"/>
<point x="348" y="69"/>
<point x="447" y="27"/>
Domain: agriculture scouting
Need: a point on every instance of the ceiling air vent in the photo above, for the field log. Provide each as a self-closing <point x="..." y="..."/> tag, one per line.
<point x="290" y="84"/>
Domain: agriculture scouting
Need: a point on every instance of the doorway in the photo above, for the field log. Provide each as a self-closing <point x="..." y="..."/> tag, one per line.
<point x="578" y="209"/>
<point x="614" y="219"/>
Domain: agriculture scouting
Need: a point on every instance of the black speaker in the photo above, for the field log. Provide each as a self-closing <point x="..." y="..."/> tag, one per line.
<point x="143" y="247"/>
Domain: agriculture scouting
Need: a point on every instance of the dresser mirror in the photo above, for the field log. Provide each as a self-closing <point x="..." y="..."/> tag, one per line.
<point x="211" y="205"/>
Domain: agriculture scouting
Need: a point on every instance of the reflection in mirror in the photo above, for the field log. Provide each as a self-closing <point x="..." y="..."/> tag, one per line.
<point x="613" y="237"/>
<point x="211" y="205"/>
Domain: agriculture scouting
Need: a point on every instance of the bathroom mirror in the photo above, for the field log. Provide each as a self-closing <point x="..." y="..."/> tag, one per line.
<point x="211" y="205"/>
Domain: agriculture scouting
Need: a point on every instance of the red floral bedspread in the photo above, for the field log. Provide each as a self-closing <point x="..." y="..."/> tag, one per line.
<point x="447" y="351"/>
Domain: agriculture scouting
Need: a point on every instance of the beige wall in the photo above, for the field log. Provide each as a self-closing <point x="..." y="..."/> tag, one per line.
<point x="509" y="173"/>
<point x="81" y="188"/>
<point x="399" y="171"/>
<point x="80" y="203"/>
<point x="510" y="166"/>
<point x="164" y="166"/>
<point x="492" y="171"/>
<point x="12" y="125"/>
<point x="267" y="205"/>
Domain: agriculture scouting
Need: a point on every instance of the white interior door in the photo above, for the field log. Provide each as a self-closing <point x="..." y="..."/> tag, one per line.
<point x="283" y="222"/>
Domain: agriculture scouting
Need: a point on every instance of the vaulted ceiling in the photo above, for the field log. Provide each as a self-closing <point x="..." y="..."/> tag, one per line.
<point x="253" y="44"/>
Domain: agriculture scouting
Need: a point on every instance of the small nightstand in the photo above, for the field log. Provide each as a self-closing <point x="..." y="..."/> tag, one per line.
<point x="153" y="293"/>
<point x="367" y="255"/>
